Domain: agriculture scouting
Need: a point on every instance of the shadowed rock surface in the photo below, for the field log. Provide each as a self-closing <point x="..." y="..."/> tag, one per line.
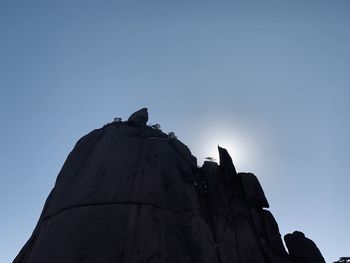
<point x="139" y="117"/>
<point x="302" y="249"/>
<point x="129" y="193"/>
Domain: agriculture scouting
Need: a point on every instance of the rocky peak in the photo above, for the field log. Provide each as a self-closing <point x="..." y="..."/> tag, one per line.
<point x="129" y="193"/>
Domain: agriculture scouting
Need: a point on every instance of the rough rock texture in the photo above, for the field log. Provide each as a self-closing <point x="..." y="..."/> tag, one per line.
<point x="129" y="193"/>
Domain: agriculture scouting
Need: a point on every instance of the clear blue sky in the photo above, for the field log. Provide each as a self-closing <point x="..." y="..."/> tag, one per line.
<point x="269" y="80"/>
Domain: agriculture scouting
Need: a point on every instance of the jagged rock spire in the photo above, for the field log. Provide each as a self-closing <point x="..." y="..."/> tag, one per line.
<point x="226" y="162"/>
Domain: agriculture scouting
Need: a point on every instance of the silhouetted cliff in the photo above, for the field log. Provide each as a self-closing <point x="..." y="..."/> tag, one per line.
<point x="130" y="193"/>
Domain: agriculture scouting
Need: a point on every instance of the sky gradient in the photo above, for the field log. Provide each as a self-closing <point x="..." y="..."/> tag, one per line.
<point x="268" y="80"/>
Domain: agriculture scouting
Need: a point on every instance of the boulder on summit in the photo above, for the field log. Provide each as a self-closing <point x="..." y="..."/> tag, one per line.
<point x="139" y="117"/>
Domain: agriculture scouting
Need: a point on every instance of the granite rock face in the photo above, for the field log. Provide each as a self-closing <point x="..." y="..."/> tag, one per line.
<point x="129" y="193"/>
<point x="302" y="249"/>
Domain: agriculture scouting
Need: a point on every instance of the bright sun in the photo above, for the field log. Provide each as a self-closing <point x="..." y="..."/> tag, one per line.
<point x="238" y="146"/>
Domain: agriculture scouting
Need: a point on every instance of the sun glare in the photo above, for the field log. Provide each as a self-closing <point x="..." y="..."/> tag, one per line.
<point x="237" y="146"/>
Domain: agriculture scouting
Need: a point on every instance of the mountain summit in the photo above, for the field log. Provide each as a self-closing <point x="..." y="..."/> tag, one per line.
<point x="130" y="193"/>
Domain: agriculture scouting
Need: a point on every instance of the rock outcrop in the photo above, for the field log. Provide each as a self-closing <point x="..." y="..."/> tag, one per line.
<point x="129" y="193"/>
<point x="302" y="249"/>
<point x="139" y="117"/>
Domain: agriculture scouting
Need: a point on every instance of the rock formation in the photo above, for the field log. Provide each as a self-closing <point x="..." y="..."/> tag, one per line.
<point x="129" y="193"/>
<point x="301" y="249"/>
<point x="139" y="117"/>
